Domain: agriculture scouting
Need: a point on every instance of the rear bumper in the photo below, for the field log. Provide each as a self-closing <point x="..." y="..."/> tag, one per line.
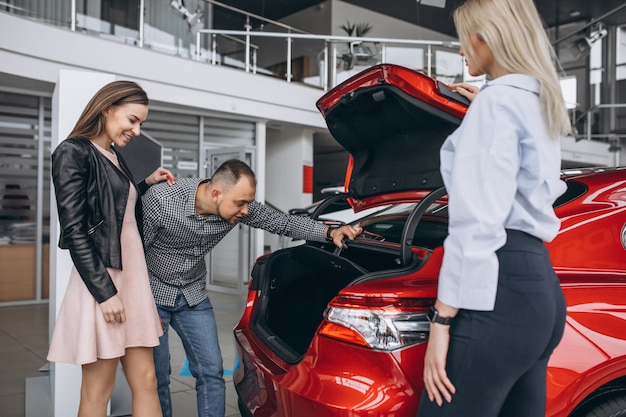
<point x="333" y="379"/>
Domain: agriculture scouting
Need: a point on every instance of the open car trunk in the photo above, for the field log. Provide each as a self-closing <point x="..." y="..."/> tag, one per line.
<point x="393" y="121"/>
<point x="296" y="285"/>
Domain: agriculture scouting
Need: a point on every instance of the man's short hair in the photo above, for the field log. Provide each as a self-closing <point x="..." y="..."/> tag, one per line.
<point x="231" y="171"/>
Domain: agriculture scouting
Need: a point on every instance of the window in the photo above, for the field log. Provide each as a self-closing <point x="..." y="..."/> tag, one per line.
<point x="123" y="13"/>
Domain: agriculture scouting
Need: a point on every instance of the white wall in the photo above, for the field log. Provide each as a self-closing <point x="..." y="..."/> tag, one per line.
<point x="288" y="150"/>
<point x="583" y="152"/>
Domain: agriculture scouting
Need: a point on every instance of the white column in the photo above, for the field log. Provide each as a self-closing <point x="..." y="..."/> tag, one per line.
<point x="289" y="150"/>
<point x="72" y="92"/>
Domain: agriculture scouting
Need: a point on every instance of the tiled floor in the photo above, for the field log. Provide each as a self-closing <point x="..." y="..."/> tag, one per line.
<point x="24" y="345"/>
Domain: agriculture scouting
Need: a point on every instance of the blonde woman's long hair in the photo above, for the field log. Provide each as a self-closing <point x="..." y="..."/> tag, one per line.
<point x="513" y="31"/>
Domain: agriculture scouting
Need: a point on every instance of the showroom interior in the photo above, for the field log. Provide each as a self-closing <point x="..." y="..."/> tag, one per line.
<point x="236" y="78"/>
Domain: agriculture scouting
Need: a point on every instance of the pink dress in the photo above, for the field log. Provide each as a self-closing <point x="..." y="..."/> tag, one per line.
<point x="81" y="335"/>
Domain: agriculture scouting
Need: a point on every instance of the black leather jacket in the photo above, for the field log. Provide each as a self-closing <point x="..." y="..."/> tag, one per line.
<point x="91" y="195"/>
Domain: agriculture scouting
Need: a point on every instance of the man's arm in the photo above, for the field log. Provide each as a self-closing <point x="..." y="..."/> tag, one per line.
<point x="300" y="227"/>
<point x="151" y="218"/>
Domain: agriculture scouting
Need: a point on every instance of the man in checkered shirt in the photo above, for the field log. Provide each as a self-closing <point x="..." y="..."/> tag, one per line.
<point x="182" y="223"/>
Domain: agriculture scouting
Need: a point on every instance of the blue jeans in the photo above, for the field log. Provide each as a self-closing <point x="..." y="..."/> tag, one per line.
<point x="198" y="332"/>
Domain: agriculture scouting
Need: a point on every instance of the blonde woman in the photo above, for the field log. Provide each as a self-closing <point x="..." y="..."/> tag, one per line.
<point x="500" y="311"/>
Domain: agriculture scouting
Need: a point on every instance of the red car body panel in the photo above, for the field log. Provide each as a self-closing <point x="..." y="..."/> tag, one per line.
<point x="339" y="379"/>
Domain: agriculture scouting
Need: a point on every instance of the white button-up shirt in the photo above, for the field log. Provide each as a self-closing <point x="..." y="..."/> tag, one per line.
<point x="501" y="170"/>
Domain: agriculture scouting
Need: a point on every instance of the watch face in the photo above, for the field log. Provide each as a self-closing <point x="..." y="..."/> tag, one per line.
<point x="434" y="317"/>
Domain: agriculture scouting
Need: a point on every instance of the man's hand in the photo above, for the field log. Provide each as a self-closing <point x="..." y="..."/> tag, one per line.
<point x="339" y="234"/>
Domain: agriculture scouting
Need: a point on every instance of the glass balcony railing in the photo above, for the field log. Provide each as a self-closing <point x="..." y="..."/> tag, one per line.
<point x="330" y="59"/>
<point x="263" y="46"/>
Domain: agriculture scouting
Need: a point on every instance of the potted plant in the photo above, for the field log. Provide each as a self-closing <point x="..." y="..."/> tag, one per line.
<point x="355" y="49"/>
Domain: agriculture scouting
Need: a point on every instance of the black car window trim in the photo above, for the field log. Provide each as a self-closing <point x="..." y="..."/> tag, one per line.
<point x="319" y="210"/>
<point x="574" y="190"/>
<point x="406" y="242"/>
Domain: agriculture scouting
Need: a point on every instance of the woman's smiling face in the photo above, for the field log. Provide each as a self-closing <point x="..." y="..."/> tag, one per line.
<point x="123" y="122"/>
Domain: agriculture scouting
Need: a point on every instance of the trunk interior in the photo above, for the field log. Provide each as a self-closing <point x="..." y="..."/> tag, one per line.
<point x="296" y="285"/>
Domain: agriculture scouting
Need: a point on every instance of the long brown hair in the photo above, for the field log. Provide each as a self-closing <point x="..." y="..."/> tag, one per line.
<point x="91" y="122"/>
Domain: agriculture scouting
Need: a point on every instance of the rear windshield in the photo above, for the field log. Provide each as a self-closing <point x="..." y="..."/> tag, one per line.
<point x="387" y="225"/>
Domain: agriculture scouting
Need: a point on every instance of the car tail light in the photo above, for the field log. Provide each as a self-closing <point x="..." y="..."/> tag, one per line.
<point x="383" y="324"/>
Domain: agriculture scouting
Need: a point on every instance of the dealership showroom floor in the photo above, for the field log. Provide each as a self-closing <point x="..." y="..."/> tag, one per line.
<point x="24" y="345"/>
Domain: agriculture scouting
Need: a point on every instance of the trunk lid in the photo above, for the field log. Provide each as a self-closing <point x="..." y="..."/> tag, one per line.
<point x="392" y="121"/>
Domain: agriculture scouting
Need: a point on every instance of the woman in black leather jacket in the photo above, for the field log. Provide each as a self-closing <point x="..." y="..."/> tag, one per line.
<point x="108" y="314"/>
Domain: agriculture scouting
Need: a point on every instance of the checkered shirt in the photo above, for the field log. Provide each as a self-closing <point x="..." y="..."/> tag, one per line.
<point x="177" y="238"/>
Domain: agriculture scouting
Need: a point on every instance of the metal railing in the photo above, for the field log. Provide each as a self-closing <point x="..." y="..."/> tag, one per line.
<point x="330" y="51"/>
<point x="593" y="132"/>
<point x="589" y="123"/>
<point x="215" y="46"/>
<point x="236" y="48"/>
<point x="588" y="116"/>
<point x="261" y="46"/>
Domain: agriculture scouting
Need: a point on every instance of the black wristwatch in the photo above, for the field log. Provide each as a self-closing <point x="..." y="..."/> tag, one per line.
<point x="329" y="238"/>
<point x="434" y="317"/>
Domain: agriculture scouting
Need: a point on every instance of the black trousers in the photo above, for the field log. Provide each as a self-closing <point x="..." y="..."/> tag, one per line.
<point x="497" y="360"/>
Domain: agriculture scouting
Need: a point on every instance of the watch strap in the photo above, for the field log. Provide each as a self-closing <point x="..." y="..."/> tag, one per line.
<point x="328" y="237"/>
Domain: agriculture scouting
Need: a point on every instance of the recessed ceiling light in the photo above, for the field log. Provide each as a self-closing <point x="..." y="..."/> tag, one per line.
<point x="574" y="13"/>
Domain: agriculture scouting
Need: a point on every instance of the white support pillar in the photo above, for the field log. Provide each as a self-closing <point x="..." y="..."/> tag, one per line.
<point x="71" y="94"/>
<point x="289" y="156"/>
<point x="289" y="161"/>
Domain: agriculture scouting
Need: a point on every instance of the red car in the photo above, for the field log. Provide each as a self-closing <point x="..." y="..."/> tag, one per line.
<point x="330" y="333"/>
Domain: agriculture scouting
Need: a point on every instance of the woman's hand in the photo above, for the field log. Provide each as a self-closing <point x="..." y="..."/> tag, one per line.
<point x="438" y="385"/>
<point x="159" y="175"/>
<point x="113" y="310"/>
<point x="436" y="381"/>
<point x="466" y="90"/>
